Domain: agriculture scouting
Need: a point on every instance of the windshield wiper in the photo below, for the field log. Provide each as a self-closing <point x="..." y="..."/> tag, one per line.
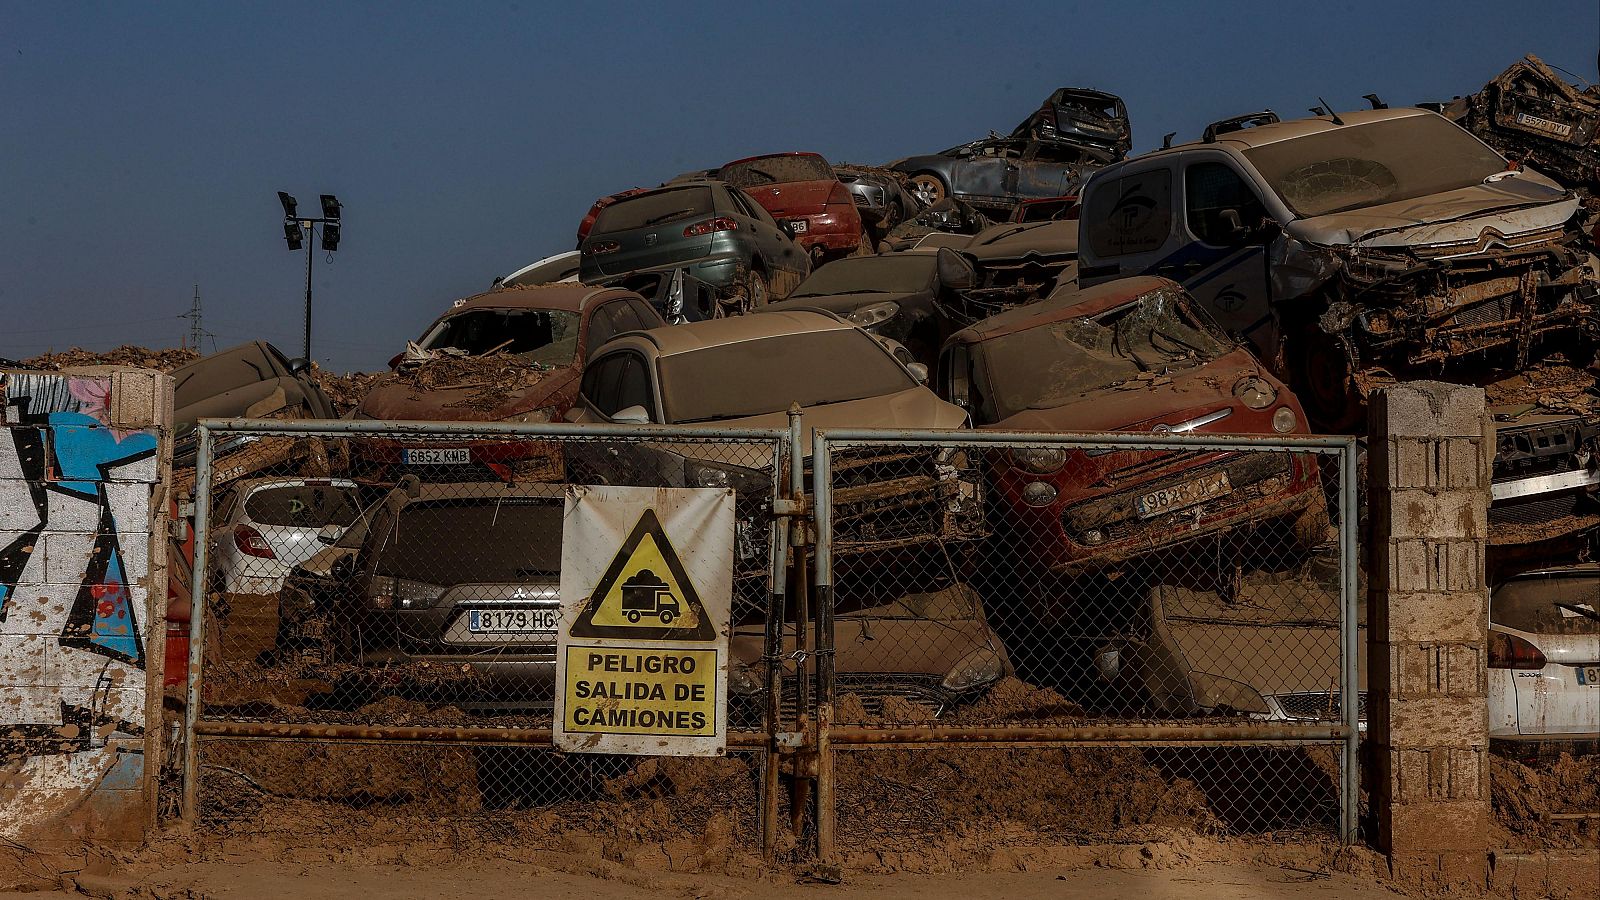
<point x="665" y="216"/>
<point x="1584" y="611"/>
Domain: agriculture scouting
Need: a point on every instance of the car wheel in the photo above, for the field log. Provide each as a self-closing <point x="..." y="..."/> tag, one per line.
<point x="756" y="292"/>
<point x="865" y="247"/>
<point x="928" y="187"/>
<point x="892" y="214"/>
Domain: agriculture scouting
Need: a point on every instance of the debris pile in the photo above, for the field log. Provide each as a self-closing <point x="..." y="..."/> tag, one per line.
<point x="125" y="355"/>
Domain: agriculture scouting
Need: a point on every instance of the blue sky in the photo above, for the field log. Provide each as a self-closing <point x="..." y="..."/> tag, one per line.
<point x="142" y="144"/>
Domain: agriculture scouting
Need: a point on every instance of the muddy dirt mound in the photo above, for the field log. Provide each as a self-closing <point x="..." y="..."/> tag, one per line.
<point x="126" y="355"/>
<point x="1553" y="384"/>
<point x="345" y="391"/>
<point x="1531" y="797"/>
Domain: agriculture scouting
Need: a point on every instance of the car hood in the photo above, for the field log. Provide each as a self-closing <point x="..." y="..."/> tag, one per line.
<point x="1018" y="241"/>
<point x="915" y="407"/>
<point x="1140" y="406"/>
<point x="1510" y="206"/>
<point x="793" y="198"/>
<point x="844" y="304"/>
<point x="398" y="398"/>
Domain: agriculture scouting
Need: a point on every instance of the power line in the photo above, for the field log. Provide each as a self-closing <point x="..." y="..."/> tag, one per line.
<point x="89" y="325"/>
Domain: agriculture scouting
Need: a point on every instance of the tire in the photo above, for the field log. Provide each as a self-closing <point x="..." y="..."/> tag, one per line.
<point x="667" y="616"/>
<point x="757" y="291"/>
<point x="929" y="188"/>
<point x="633" y="616"/>
<point x="1320" y="375"/>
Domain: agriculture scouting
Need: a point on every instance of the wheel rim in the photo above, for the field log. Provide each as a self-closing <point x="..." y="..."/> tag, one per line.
<point x="928" y="189"/>
<point x="757" y="295"/>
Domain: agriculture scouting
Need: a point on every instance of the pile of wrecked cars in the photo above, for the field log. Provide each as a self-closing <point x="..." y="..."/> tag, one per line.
<point x="1260" y="281"/>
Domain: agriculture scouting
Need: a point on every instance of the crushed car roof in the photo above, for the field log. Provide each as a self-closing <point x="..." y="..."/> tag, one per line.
<point x="568" y="297"/>
<point x="1066" y="302"/>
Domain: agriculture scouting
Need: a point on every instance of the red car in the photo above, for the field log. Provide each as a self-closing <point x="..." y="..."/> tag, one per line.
<point x="1130" y="355"/>
<point x="532" y="343"/>
<point x="802" y="192"/>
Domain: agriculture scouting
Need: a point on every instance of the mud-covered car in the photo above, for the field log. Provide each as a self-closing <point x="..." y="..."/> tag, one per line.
<point x="1133" y="355"/>
<point x="946" y="218"/>
<point x="1050" y="210"/>
<point x="804" y="195"/>
<point x="880" y="194"/>
<point x="1083" y="117"/>
<point x="1000" y="172"/>
<point x="509" y="355"/>
<point x="1354" y="249"/>
<point x="1546" y="470"/>
<point x="1018" y="263"/>
<point x="746" y="372"/>
<point x="931" y="648"/>
<point x="710" y="229"/>
<point x="254" y="380"/>
<point x="906" y="297"/>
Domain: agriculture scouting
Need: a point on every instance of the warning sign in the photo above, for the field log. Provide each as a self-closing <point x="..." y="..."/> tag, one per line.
<point x="646" y="591"/>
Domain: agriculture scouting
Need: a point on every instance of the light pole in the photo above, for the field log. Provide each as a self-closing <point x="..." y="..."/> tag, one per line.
<point x="296" y="228"/>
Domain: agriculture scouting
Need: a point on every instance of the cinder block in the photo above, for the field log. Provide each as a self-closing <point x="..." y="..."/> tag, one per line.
<point x="1430" y="409"/>
<point x="1469" y="773"/>
<point x="1443" y="826"/>
<point x="23" y="660"/>
<point x="1572" y="874"/>
<point x="39" y="609"/>
<point x="137" y="399"/>
<point x="1438" y="722"/>
<point x="1516" y="874"/>
<point x="1417" y="564"/>
<point x="1440" y="516"/>
<point x="1431" y="616"/>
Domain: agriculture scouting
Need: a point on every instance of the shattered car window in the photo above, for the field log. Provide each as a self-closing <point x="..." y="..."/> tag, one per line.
<point x="1558" y="605"/>
<point x="777" y="170"/>
<point x="546" y="336"/>
<point x="808" y="368"/>
<point x="512" y="540"/>
<point x="1047" y="366"/>
<point x="1379" y="162"/>
<point x="653" y="209"/>
<point x="895" y="274"/>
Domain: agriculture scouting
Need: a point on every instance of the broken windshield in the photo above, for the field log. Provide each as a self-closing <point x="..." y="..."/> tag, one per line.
<point x="1355" y="166"/>
<point x="1055" y="363"/>
<point x="776" y="170"/>
<point x="548" y="336"/>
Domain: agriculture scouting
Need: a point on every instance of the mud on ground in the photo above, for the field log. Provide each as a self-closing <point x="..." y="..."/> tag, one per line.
<point x="1525" y="793"/>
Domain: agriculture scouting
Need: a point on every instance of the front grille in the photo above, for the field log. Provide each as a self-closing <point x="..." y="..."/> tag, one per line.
<point x="1321" y="706"/>
<point x="1537" y="510"/>
<point x="1254" y="477"/>
<point x="883" y="500"/>
<point x="1487" y="313"/>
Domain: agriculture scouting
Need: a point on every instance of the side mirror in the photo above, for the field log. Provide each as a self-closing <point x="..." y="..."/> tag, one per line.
<point x="919" y="372"/>
<point x="1237" y="233"/>
<point x="298" y="364"/>
<point x="633" y="415"/>
<point x="955" y="271"/>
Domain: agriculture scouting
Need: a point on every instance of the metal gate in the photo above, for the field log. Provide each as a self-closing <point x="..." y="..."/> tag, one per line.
<point x="1078" y="633"/>
<point x="376" y="640"/>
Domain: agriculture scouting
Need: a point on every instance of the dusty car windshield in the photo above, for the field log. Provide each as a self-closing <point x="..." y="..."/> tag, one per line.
<point x="1371" y="164"/>
<point x="653" y="209"/>
<point x="776" y="170"/>
<point x="765" y="375"/>
<point x="512" y="540"/>
<point x="900" y="273"/>
<point x="547" y="336"/>
<point x="1047" y="366"/>
<point x="1553" y="605"/>
<point x="302" y="506"/>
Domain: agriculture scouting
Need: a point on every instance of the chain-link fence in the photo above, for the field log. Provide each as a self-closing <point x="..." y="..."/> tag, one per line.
<point x="1081" y="633"/>
<point x="379" y="628"/>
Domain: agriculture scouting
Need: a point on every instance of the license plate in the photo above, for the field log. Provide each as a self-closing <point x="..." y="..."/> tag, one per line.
<point x="511" y="621"/>
<point x="798" y="226"/>
<point x="1589" y="675"/>
<point x="1559" y="129"/>
<point x="438" y="456"/>
<point x="1187" y="494"/>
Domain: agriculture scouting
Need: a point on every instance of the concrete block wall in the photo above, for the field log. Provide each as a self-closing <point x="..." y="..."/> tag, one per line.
<point x="84" y="461"/>
<point x="1429" y="463"/>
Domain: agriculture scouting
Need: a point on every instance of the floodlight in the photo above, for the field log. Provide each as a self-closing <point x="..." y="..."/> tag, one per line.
<point x="330" y="236"/>
<point x="288" y="204"/>
<point x="330" y="206"/>
<point x="291" y="233"/>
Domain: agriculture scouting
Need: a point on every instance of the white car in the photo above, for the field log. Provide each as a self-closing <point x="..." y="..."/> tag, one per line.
<point x="264" y="527"/>
<point x="1544" y="656"/>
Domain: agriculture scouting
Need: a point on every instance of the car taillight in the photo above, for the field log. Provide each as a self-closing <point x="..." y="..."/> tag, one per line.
<point x="599" y="247"/>
<point x="1507" y="651"/>
<point x="711" y="226"/>
<point x="251" y="543"/>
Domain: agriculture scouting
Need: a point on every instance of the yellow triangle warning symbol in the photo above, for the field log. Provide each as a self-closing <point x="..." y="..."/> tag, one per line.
<point x="645" y="593"/>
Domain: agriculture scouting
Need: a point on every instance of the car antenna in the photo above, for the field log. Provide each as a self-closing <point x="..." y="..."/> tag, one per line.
<point x="1373" y="99"/>
<point x="1166" y="140"/>
<point x="1331" y="114"/>
<point x="1318" y="111"/>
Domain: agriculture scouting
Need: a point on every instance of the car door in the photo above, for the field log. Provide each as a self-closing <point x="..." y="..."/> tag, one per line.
<point x="618" y="381"/>
<point x="988" y="173"/>
<point x="776" y="246"/>
<point x="1225" y="268"/>
<point x="1047" y="170"/>
<point x="1126" y="227"/>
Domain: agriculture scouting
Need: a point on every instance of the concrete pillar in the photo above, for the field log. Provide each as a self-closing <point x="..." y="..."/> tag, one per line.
<point x="1428" y="618"/>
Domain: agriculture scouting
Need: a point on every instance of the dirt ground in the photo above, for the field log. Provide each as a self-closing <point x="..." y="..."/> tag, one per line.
<point x="1526" y="793"/>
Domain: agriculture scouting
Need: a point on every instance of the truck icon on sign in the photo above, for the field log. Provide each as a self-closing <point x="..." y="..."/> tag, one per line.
<point x="645" y="594"/>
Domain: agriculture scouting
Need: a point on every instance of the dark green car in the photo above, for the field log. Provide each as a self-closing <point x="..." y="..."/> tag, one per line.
<point x="710" y="230"/>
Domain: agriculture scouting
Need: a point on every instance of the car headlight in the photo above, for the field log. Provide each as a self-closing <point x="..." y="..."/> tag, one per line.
<point x="1284" y="421"/>
<point x="389" y="592"/>
<point x="977" y="669"/>
<point x="698" y="473"/>
<point x="1039" y="493"/>
<point x="1255" y="392"/>
<point x="874" y="313"/>
<point x="1040" y="460"/>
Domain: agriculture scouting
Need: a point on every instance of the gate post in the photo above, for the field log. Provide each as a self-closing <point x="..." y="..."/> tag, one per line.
<point x="1429" y="474"/>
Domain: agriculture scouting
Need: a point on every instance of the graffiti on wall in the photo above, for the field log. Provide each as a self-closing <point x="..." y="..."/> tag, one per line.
<point x="65" y="574"/>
